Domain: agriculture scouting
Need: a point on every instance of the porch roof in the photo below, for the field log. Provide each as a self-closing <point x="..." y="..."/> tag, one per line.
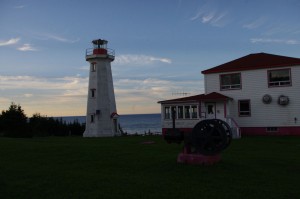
<point x="214" y="96"/>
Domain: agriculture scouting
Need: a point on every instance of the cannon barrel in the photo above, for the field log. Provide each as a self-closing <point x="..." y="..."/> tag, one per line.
<point x="208" y="137"/>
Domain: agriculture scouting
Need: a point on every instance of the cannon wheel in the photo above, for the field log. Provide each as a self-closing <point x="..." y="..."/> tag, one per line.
<point x="210" y="137"/>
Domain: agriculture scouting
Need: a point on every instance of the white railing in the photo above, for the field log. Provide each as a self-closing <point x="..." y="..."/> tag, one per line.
<point x="235" y="129"/>
<point x="280" y="83"/>
<point x="230" y="86"/>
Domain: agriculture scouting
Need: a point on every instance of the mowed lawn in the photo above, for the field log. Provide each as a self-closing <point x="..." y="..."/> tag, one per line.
<point x="145" y="167"/>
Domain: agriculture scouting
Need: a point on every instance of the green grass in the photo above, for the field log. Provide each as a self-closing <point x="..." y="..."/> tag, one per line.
<point x="123" y="167"/>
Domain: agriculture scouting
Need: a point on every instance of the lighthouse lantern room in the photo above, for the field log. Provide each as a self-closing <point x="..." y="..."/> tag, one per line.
<point x="101" y="117"/>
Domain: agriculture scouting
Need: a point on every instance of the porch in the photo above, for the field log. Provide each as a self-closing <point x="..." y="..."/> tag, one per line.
<point x="185" y="113"/>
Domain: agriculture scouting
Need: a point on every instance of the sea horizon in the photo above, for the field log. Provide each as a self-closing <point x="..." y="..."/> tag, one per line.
<point x="118" y="114"/>
<point x="130" y="123"/>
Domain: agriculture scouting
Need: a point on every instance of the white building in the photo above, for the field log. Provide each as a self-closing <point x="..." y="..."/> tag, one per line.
<point x="101" y="117"/>
<point x="258" y="94"/>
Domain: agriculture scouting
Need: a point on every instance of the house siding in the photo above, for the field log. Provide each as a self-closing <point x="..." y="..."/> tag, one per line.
<point x="254" y="86"/>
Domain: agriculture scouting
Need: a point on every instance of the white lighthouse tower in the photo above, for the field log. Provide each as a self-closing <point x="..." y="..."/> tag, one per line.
<point x="101" y="116"/>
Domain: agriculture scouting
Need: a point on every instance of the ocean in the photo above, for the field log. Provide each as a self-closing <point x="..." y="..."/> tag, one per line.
<point x="131" y="124"/>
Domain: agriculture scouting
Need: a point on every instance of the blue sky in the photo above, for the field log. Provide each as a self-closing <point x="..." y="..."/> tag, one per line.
<point x="161" y="47"/>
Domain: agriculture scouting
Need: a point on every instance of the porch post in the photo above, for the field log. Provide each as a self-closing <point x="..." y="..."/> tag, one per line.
<point x="225" y="110"/>
<point x="199" y="109"/>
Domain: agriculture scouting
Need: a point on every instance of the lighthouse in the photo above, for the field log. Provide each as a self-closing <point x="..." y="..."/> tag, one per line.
<point x="101" y="115"/>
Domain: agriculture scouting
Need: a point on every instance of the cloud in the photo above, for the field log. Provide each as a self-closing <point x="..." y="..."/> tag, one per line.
<point x="27" y="47"/>
<point x="41" y="83"/>
<point x="62" y="96"/>
<point x="28" y="95"/>
<point x="54" y="96"/>
<point x="11" y="41"/>
<point x="62" y="39"/>
<point x="19" y="7"/>
<point x="140" y="59"/>
<point x="154" y="89"/>
<point x="278" y="41"/>
<point x="207" y="17"/>
<point x="256" y="23"/>
<point x="47" y="36"/>
<point x="211" y="15"/>
<point x="84" y="68"/>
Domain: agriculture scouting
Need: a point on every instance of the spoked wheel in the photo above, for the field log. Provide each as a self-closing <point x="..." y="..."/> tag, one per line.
<point x="210" y="137"/>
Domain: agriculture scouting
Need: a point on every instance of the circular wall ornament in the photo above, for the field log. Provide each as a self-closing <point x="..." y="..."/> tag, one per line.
<point x="267" y="99"/>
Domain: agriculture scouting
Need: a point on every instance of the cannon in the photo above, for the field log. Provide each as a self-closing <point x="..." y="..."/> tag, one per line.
<point x="204" y="143"/>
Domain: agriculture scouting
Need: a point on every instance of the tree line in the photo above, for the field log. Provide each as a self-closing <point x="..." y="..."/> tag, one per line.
<point x="15" y="123"/>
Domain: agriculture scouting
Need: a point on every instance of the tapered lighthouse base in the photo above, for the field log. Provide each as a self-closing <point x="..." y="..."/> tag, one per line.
<point x="98" y="134"/>
<point x="198" y="159"/>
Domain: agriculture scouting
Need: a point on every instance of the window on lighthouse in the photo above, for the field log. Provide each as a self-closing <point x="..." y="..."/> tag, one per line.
<point x="92" y="118"/>
<point x="93" y="92"/>
<point x="93" y="67"/>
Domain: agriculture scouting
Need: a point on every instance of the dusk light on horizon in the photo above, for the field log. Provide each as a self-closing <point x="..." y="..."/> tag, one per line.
<point x="161" y="47"/>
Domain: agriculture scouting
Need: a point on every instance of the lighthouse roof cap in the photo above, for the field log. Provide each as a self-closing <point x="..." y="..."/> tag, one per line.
<point x="99" y="41"/>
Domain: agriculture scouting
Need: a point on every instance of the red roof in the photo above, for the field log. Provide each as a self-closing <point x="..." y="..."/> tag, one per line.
<point x="254" y="61"/>
<point x="214" y="96"/>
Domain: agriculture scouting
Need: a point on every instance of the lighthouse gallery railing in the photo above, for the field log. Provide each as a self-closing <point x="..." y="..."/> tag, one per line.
<point x="110" y="52"/>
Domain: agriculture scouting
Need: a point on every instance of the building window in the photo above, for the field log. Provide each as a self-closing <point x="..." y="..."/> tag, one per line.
<point x="281" y="77"/>
<point x="92" y="118"/>
<point x="194" y="112"/>
<point x="167" y="113"/>
<point x="93" y="67"/>
<point x="244" y="108"/>
<point x="180" y="112"/>
<point x="174" y="112"/>
<point x="230" y="81"/>
<point x="93" y="92"/>
<point x="187" y="112"/>
<point x="271" y="129"/>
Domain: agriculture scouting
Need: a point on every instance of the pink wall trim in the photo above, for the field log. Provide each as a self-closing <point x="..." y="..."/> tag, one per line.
<point x="292" y="130"/>
<point x="248" y="131"/>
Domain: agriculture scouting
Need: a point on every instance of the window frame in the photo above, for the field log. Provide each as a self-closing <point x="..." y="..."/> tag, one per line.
<point x="93" y="92"/>
<point x="230" y="85"/>
<point x="239" y="108"/>
<point x="167" y="114"/>
<point x="194" y="111"/>
<point x="93" y="67"/>
<point x="272" y="129"/>
<point x="189" y="112"/>
<point x="284" y="85"/>
<point x="92" y="118"/>
<point x="180" y="112"/>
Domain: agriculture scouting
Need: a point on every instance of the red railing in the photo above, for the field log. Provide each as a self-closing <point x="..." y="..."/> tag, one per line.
<point x="90" y="51"/>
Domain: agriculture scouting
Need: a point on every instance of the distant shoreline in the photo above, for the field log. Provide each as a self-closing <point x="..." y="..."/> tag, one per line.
<point x="130" y="123"/>
<point x="119" y="114"/>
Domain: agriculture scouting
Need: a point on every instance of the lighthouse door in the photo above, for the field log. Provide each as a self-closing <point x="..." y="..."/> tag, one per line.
<point x="210" y="110"/>
<point x="115" y="127"/>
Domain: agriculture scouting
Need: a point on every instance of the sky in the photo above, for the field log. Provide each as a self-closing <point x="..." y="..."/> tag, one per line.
<point x="161" y="47"/>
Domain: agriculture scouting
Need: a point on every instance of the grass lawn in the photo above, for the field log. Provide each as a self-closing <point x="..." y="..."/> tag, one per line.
<point x="124" y="167"/>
